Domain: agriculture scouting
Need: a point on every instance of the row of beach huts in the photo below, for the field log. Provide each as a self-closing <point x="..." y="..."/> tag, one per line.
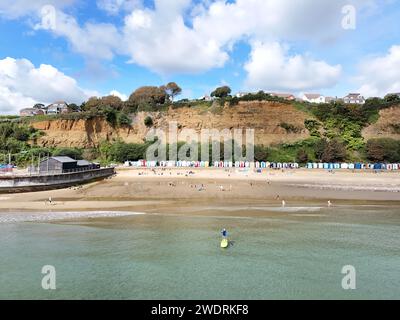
<point x="6" y="168"/>
<point x="259" y="165"/>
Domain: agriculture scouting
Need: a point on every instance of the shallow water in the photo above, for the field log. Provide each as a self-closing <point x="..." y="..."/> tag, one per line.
<point x="276" y="253"/>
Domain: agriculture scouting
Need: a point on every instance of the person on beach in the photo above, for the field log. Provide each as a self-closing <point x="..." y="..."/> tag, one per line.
<point x="329" y="203"/>
<point x="224" y="233"/>
<point x="283" y="203"/>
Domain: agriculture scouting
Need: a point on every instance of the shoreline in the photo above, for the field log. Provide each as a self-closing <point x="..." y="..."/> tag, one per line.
<point x="142" y="190"/>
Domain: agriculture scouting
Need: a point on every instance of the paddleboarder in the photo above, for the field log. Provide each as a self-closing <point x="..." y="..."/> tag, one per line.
<point x="224" y="233"/>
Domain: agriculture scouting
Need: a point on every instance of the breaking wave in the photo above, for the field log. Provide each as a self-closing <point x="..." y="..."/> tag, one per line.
<point x="55" y="216"/>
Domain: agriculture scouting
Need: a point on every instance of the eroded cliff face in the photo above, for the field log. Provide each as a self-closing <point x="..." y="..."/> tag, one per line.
<point x="388" y="125"/>
<point x="264" y="117"/>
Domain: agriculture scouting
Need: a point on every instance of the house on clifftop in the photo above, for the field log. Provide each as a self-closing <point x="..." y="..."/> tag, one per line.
<point x="313" y="98"/>
<point x="286" y="96"/>
<point x="57" y="107"/>
<point x="31" y="112"/>
<point x="354" y="98"/>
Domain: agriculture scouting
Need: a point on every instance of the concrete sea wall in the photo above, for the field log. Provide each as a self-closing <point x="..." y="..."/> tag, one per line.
<point x="27" y="183"/>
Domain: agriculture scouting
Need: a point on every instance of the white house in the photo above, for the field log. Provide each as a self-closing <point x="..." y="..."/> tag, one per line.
<point x="354" y="98"/>
<point x="241" y="94"/>
<point x="313" y="98"/>
<point x="57" y="107"/>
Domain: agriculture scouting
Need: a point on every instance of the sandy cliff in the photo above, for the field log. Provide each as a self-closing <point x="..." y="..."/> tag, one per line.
<point x="388" y="125"/>
<point x="265" y="117"/>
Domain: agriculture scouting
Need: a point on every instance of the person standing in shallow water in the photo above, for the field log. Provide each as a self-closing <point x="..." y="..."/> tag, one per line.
<point x="224" y="233"/>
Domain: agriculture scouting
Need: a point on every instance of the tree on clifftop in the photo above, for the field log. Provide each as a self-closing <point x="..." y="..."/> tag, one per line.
<point x="148" y="95"/>
<point x="172" y="89"/>
<point x="221" y="92"/>
<point x="392" y="98"/>
<point x="103" y="102"/>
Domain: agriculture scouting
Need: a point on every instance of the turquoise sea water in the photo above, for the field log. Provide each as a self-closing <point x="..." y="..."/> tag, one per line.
<point x="293" y="253"/>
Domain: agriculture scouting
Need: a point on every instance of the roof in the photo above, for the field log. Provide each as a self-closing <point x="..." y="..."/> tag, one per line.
<point x="63" y="159"/>
<point x="282" y="95"/>
<point x="353" y="95"/>
<point x="84" y="163"/>
<point x="312" y="95"/>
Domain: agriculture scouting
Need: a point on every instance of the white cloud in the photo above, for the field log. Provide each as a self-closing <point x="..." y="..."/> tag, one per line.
<point x="22" y="85"/>
<point x="270" y="67"/>
<point x="180" y="36"/>
<point x="306" y="19"/>
<point x="160" y="41"/>
<point x="120" y="95"/>
<point x="183" y="36"/>
<point x="17" y="8"/>
<point x="113" y="7"/>
<point x="95" y="40"/>
<point x="380" y="75"/>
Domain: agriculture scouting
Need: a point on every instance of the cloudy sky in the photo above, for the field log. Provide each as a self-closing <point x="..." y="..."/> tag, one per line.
<point x="74" y="49"/>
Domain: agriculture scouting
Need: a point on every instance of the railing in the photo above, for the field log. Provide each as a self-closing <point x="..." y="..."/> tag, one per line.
<point x="34" y="172"/>
<point x="65" y="171"/>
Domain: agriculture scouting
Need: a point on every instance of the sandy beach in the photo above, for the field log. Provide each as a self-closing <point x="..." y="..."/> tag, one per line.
<point x="148" y="189"/>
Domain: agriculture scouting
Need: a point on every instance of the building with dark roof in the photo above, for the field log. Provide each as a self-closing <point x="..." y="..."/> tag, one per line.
<point x="65" y="165"/>
<point x="30" y="112"/>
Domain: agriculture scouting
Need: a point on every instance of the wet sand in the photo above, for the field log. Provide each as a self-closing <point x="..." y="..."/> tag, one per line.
<point x="148" y="190"/>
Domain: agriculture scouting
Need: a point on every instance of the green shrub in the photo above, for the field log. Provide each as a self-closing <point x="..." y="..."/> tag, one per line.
<point x="290" y="128"/>
<point x="313" y="126"/>
<point x="302" y="156"/>
<point x="148" y="122"/>
<point x="383" y="150"/>
<point x="123" y="120"/>
<point x="73" y="153"/>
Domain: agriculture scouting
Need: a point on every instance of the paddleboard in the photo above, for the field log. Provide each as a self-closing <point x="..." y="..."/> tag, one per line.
<point x="224" y="243"/>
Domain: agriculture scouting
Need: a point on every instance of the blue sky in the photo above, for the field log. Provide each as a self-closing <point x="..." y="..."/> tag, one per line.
<point x="73" y="49"/>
